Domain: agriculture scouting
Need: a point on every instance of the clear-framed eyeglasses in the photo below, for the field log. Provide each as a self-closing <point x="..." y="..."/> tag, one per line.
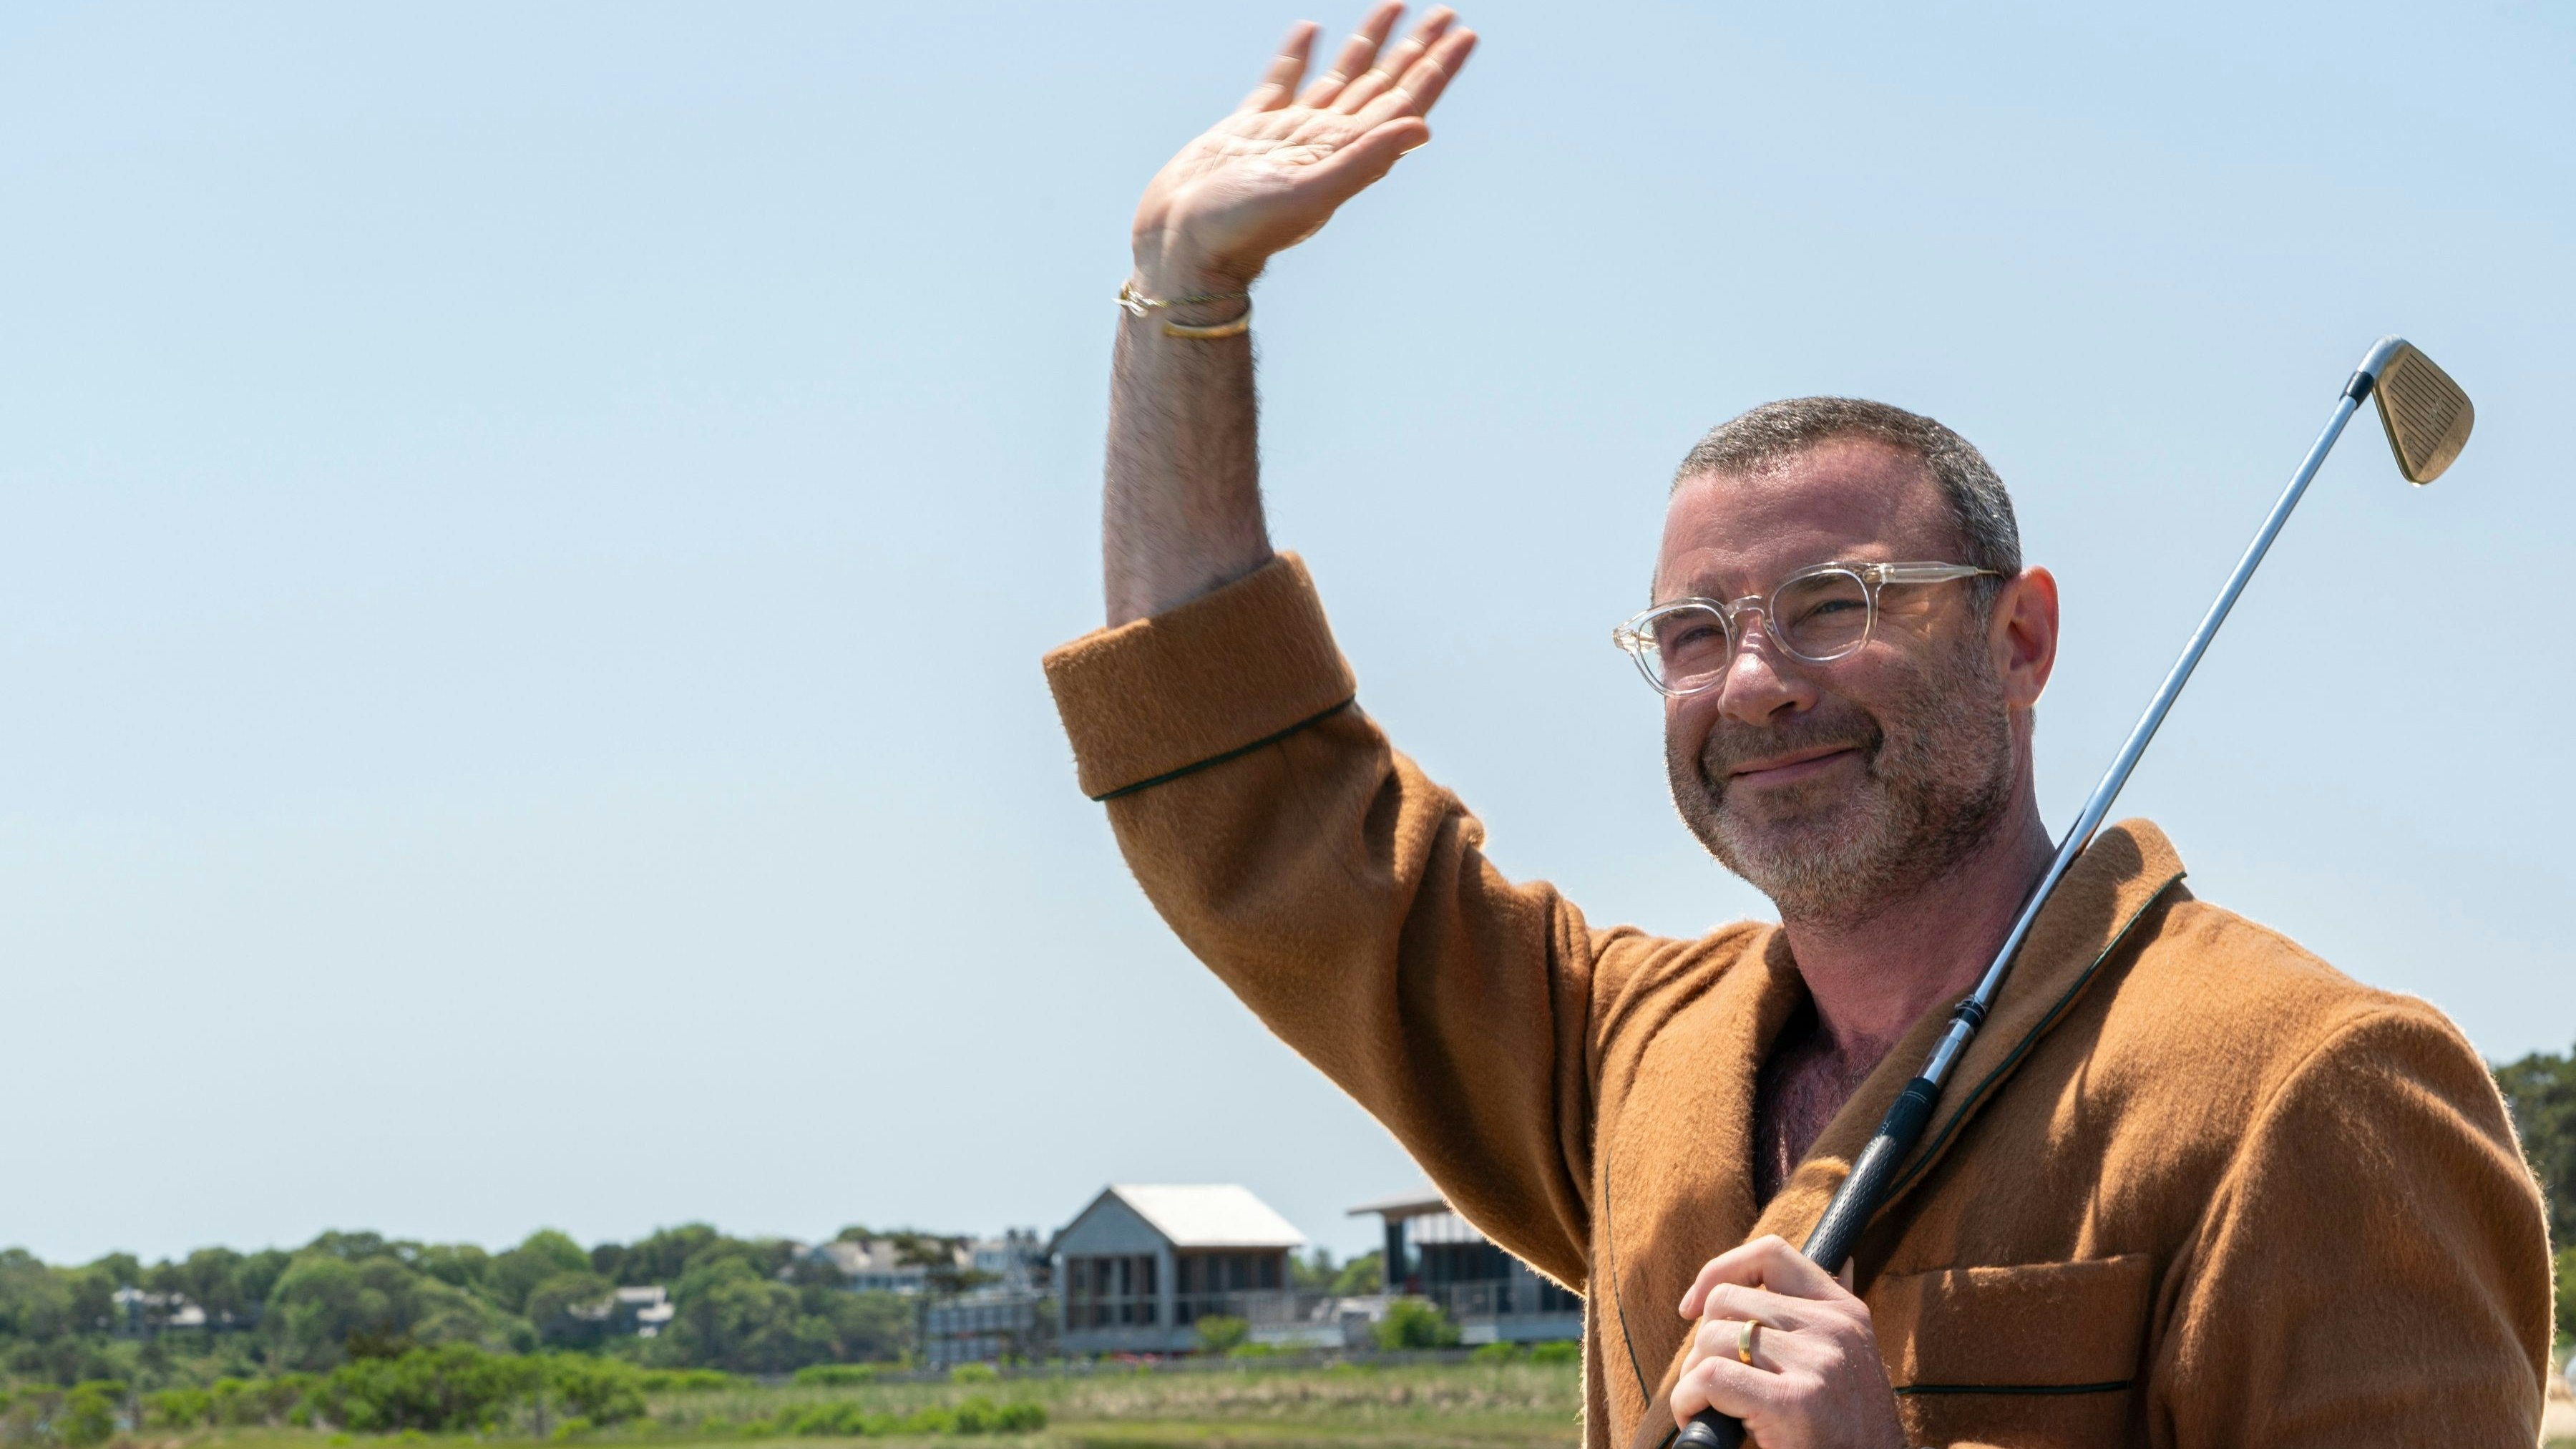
<point x="1817" y="614"/>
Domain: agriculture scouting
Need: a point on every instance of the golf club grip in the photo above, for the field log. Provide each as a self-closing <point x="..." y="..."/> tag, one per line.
<point x="1839" y="1228"/>
<point x="1709" y="1429"/>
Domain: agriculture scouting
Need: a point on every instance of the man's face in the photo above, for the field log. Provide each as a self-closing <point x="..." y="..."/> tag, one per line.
<point x="1835" y="788"/>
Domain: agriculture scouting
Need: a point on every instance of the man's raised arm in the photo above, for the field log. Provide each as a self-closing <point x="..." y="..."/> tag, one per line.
<point x="1181" y="511"/>
<point x="1342" y="895"/>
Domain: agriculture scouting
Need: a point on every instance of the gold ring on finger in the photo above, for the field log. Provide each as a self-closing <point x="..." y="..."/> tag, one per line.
<point x="1745" y="1338"/>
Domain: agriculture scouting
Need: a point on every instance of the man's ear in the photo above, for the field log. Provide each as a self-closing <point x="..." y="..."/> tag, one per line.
<point x="2023" y="635"/>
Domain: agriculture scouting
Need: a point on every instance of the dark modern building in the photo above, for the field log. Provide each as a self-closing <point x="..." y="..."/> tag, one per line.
<point x="1493" y="1297"/>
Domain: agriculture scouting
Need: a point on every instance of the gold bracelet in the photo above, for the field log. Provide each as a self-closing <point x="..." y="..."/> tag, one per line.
<point x="1212" y="333"/>
<point x="1136" y="304"/>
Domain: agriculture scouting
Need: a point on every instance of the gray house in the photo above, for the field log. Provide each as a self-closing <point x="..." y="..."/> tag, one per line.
<point x="1142" y="1264"/>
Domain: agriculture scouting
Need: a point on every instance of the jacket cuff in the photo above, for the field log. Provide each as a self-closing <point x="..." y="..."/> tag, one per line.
<point x="1199" y="683"/>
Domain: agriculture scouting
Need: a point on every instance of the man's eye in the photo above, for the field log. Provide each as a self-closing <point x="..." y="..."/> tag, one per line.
<point x="1690" y="638"/>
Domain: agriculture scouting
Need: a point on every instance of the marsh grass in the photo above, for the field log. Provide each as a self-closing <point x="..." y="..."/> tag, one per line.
<point x="1517" y="1405"/>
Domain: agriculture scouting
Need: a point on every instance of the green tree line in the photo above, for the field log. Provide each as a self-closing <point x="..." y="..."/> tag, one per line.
<point x="740" y="1305"/>
<point x="2540" y="1090"/>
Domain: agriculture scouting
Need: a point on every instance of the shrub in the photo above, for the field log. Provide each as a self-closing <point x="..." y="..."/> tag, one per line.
<point x="686" y="1381"/>
<point x="835" y="1375"/>
<point x="600" y="1390"/>
<point x="1219" y="1332"/>
<point x="88" y="1415"/>
<point x="1497" y="1353"/>
<point x="451" y="1387"/>
<point x="2567" y="1293"/>
<point x="844" y="1418"/>
<point x="1561" y="1351"/>
<point x="980" y="1415"/>
<point x="973" y="1373"/>
<point x="178" y="1409"/>
<point x="975" y="1415"/>
<point x="570" y="1429"/>
<point x="1413" y="1323"/>
<point x="1252" y="1350"/>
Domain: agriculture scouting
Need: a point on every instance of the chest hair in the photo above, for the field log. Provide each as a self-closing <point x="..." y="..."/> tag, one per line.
<point x="1802" y="1085"/>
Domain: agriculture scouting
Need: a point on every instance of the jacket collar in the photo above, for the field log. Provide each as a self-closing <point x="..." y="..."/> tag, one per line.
<point x="2105" y="893"/>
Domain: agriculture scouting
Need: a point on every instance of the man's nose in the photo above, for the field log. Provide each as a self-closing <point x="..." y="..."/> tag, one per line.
<point x="1761" y="683"/>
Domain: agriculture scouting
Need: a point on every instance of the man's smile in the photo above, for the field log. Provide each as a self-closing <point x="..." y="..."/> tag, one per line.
<point x="1792" y="767"/>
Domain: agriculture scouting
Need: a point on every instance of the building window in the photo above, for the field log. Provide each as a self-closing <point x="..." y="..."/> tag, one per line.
<point x="1207" y="1284"/>
<point x="1110" y="1292"/>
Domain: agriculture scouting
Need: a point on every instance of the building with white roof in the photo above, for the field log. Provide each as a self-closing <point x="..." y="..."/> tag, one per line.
<point x="1143" y="1263"/>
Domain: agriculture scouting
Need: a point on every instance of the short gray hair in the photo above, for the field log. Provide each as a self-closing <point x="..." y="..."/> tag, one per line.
<point x="1777" y="431"/>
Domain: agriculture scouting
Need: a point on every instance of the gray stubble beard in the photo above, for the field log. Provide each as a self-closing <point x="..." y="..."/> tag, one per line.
<point x="1938" y="782"/>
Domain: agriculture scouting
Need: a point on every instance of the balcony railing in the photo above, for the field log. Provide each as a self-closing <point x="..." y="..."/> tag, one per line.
<point x="1280" y="1309"/>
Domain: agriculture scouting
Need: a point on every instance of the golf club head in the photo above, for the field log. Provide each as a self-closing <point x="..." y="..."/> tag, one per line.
<point x="2426" y="415"/>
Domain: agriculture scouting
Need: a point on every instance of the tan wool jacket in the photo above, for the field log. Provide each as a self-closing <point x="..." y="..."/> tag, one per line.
<point x="2190" y="1186"/>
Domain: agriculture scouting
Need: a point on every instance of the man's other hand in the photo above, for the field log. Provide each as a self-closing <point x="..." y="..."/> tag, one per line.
<point x="1271" y="174"/>
<point x="1815" y="1380"/>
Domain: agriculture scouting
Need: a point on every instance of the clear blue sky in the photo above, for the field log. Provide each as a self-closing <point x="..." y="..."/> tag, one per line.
<point x="529" y="532"/>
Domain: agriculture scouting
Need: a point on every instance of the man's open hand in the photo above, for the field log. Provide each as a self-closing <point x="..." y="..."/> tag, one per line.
<point x="1271" y="174"/>
<point x="1815" y="1379"/>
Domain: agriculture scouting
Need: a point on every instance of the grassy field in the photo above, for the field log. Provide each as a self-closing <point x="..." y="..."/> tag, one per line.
<point x="1448" y="1406"/>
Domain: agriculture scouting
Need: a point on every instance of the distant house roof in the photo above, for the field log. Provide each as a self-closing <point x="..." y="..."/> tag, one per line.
<point x="851" y="1257"/>
<point x="854" y="1256"/>
<point x="1204" y="1215"/>
<point x="1211" y="1215"/>
<point x="1421" y="1202"/>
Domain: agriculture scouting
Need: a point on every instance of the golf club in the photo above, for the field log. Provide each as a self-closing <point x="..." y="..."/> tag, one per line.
<point x="2427" y="418"/>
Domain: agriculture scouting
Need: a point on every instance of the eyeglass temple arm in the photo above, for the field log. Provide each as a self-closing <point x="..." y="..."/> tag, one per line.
<point x="1926" y="573"/>
<point x="1874" y="1171"/>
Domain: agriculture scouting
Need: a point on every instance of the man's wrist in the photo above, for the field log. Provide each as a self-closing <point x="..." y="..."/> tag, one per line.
<point x="1169" y="267"/>
<point x="1197" y="301"/>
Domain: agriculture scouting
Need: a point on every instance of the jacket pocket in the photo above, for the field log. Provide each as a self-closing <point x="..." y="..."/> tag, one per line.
<point x="2038" y="1354"/>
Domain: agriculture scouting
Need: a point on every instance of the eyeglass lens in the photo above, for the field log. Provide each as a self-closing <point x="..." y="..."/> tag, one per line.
<point x="1817" y="617"/>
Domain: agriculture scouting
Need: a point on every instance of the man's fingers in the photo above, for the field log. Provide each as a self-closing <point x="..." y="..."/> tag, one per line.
<point x="1724" y="1385"/>
<point x="1736" y="1303"/>
<point x="1724" y="1338"/>
<point x="1355" y="54"/>
<point x="1431" y="74"/>
<point x="1279" y="82"/>
<point x="1423" y="81"/>
<point x="1393" y="62"/>
<point x="1766" y="1262"/>
<point x="1357" y="163"/>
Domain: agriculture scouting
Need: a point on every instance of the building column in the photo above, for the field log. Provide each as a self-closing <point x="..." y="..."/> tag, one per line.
<point x="1392" y="1269"/>
<point x="1167" y="1266"/>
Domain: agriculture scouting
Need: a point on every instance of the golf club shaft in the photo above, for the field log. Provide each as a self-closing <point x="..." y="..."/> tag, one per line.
<point x="1857" y="1200"/>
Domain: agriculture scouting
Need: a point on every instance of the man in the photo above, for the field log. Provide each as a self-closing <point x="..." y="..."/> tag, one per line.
<point x="2189" y="1187"/>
